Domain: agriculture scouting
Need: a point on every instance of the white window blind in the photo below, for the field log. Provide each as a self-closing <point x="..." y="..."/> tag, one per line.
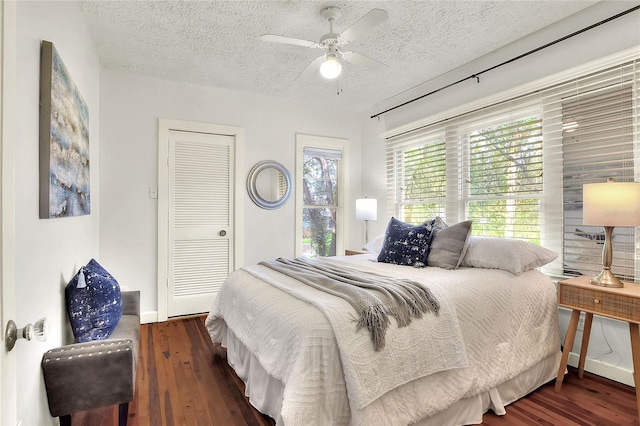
<point x="502" y="186"/>
<point x="485" y="165"/>
<point x="330" y="154"/>
<point x="416" y="175"/>
<point x="517" y="168"/>
<point x="591" y="121"/>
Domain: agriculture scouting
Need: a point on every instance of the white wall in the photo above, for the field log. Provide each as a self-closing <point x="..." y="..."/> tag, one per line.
<point x="612" y="37"/>
<point x="374" y="175"/>
<point x="130" y="108"/>
<point x="608" y="38"/>
<point x="48" y="251"/>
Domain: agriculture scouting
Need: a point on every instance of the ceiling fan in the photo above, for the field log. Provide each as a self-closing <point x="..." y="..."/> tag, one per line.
<point x="332" y="44"/>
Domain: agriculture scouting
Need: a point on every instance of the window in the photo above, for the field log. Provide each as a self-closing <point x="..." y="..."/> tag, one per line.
<point x="320" y="174"/>
<point x="319" y="202"/>
<point x="516" y="168"/>
<point x="416" y="176"/>
<point x="485" y="166"/>
<point x="502" y="194"/>
<point x="597" y="140"/>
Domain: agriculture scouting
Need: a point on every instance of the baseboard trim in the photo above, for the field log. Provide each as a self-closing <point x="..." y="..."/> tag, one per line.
<point x="147" y="317"/>
<point x="618" y="374"/>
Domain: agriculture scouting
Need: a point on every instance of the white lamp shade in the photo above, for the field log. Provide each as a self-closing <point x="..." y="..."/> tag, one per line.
<point x="366" y="209"/>
<point x="331" y="67"/>
<point x="611" y="204"/>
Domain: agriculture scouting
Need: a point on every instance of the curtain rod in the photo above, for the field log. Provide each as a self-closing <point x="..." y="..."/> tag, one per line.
<point x="476" y="76"/>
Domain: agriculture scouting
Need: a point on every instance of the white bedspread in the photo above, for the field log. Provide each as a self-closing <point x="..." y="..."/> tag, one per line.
<point x="431" y="344"/>
<point x="508" y="323"/>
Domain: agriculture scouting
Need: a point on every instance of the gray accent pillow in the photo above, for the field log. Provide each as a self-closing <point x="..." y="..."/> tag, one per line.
<point x="449" y="245"/>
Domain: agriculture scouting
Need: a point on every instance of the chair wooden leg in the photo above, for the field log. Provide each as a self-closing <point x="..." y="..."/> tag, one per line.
<point x="123" y="414"/>
<point x="65" y="420"/>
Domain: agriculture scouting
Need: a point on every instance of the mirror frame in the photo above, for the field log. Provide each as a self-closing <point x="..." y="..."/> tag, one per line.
<point x="253" y="192"/>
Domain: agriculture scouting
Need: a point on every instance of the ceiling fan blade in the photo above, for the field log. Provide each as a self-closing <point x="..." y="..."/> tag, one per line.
<point x="372" y="19"/>
<point x="272" y="38"/>
<point x="310" y="69"/>
<point x="364" y="61"/>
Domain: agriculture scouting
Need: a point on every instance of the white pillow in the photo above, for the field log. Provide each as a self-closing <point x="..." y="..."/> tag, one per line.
<point x="515" y="256"/>
<point x="375" y="245"/>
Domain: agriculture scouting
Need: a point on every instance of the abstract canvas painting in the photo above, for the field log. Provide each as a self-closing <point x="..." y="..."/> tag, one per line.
<point x="64" y="140"/>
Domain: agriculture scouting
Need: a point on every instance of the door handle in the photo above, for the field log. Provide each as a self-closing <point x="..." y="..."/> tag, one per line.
<point x="37" y="331"/>
<point x="222" y="233"/>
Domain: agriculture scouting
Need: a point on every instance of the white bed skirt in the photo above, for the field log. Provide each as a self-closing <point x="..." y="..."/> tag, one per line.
<point x="265" y="392"/>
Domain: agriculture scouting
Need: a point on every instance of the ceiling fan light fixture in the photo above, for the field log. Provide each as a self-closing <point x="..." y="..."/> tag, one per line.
<point x="331" y="67"/>
<point x="333" y="43"/>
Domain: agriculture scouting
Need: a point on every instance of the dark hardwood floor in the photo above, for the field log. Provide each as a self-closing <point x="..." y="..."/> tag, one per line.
<point x="183" y="379"/>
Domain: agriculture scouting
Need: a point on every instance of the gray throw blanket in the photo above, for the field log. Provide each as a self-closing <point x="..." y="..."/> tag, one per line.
<point x="373" y="296"/>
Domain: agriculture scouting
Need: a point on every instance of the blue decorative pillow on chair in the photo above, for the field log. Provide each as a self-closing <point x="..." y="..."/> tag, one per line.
<point x="94" y="303"/>
<point x="406" y="244"/>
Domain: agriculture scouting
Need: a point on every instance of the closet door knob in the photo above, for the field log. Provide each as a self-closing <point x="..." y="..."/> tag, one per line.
<point x="222" y="233"/>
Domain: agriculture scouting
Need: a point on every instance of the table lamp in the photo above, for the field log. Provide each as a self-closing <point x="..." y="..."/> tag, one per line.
<point x="610" y="204"/>
<point x="366" y="209"/>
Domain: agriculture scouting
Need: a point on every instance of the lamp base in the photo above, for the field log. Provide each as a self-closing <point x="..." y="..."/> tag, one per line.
<point x="606" y="279"/>
<point x="366" y="231"/>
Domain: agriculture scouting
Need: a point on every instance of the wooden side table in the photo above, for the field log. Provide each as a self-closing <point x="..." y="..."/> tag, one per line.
<point x="622" y="304"/>
<point x="348" y="252"/>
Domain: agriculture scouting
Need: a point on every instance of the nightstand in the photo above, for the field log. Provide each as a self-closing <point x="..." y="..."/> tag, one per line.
<point x="622" y="304"/>
<point x="348" y="252"/>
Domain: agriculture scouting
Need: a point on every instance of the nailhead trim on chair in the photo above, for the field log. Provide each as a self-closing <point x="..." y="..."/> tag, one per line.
<point x="119" y="342"/>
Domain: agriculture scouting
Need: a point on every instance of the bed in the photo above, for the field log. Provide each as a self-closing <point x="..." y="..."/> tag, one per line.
<point x="494" y="340"/>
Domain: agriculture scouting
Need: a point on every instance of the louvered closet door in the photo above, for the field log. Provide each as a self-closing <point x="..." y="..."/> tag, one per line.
<point x="200" y="219"/>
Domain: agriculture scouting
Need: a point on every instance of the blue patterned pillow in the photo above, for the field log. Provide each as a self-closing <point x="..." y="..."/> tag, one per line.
<point x="406" y="244"/>
<point x="94" y="303"/>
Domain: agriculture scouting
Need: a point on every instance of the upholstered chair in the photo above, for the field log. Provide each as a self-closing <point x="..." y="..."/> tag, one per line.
<point x="84" y="376"/>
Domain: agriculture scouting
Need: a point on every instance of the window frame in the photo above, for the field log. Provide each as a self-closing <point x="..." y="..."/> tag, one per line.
<point x="342" y="210"/>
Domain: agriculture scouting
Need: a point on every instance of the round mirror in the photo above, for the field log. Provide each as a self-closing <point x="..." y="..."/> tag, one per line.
<point x="269" y="184"/>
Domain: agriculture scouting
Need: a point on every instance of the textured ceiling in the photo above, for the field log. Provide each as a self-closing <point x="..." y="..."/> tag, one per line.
<point x="217" y="43"/>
